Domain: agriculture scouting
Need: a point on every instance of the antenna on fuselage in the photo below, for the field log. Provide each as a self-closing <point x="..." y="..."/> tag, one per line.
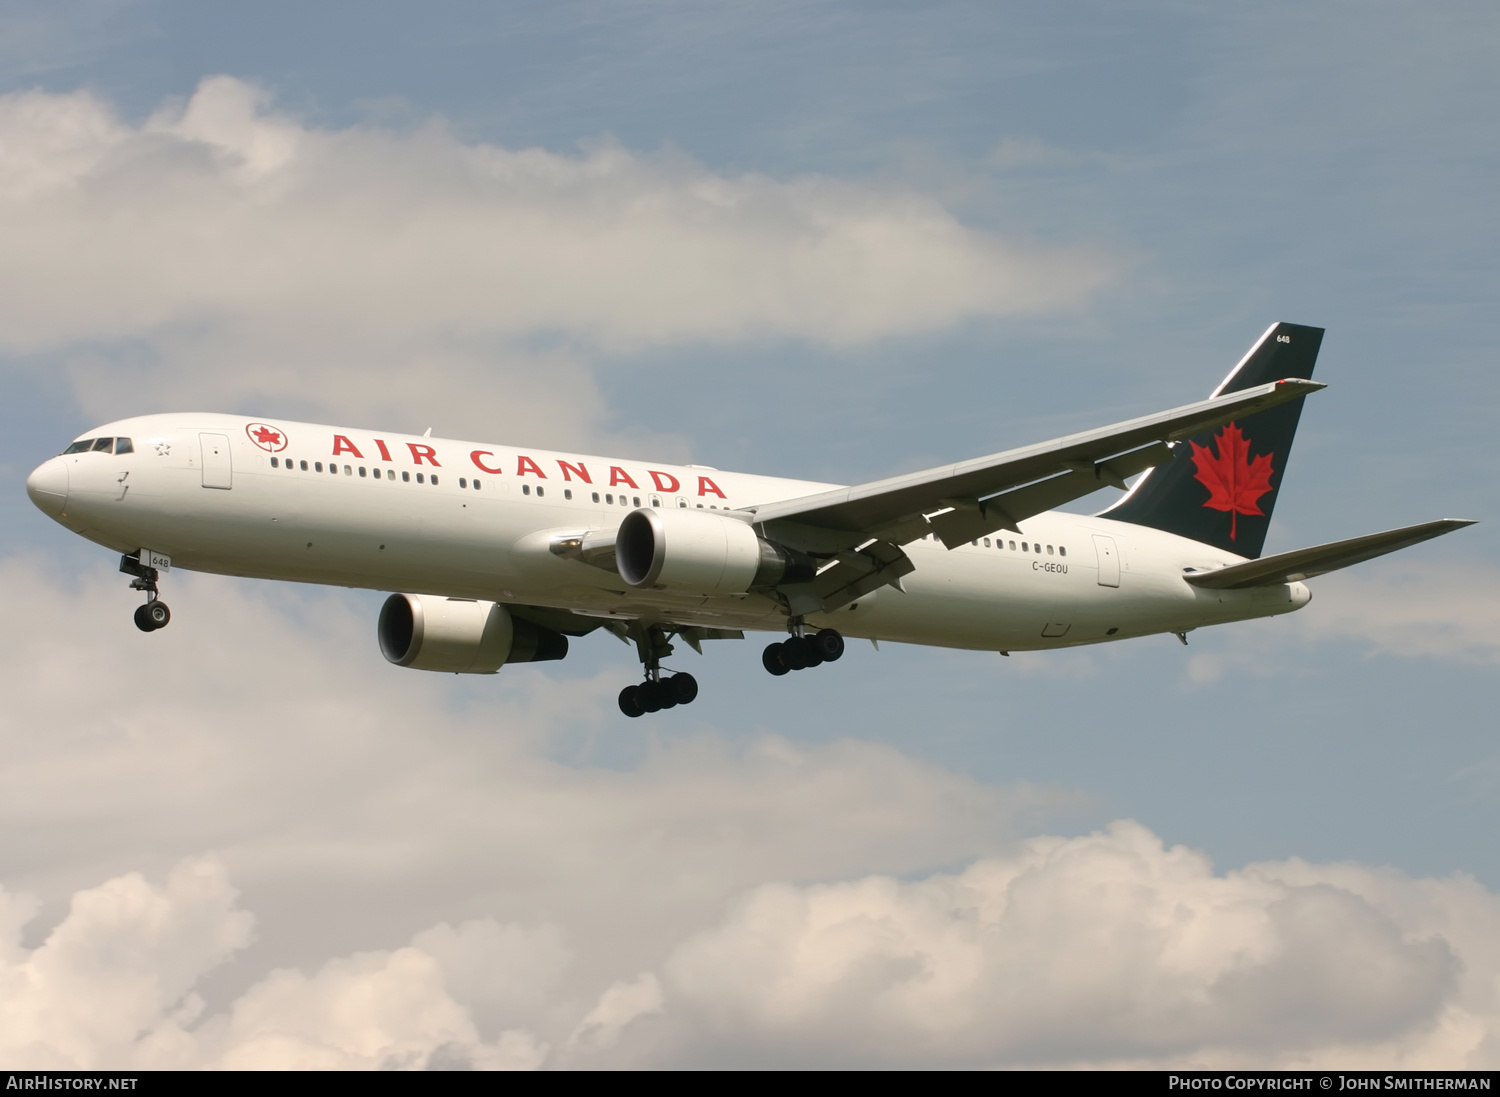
<point x="427" y="433"/>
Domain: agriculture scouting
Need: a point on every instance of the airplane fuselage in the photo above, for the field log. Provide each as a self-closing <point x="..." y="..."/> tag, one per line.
<point x="356" y="508"/>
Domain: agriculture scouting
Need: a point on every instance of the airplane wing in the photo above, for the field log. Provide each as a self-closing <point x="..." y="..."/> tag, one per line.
<point x="1291" y="567"/>
<point x="860" y="530"/>
<point x="980" y="496"/>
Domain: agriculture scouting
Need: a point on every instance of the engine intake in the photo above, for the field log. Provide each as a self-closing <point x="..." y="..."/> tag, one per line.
<point x="702" y="552"/>
<point x="461" y="635"/>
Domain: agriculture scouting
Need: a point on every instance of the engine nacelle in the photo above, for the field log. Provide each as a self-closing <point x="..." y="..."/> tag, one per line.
<point x="701" y="552"/>
<point x="460" y="635"/>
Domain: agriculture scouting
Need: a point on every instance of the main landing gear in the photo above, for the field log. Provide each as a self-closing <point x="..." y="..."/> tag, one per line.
<point x="657" y="692"/>
<point x="801" y="650"/>
<point x="154" y="614"/>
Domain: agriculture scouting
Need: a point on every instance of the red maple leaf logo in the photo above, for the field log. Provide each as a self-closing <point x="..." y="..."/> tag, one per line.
<point x="1235" y="481"/>
<point x="266" y="437"/>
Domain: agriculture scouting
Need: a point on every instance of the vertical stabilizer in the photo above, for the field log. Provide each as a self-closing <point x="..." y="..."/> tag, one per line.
<point x="1222" y="485"/>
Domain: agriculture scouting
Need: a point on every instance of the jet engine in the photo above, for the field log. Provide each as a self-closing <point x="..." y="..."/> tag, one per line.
<point x="702" y="552"/>
<point x="461" y="635"/>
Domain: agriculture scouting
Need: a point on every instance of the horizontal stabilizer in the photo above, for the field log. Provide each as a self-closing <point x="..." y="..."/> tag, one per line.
<point x="1291" y="567"/>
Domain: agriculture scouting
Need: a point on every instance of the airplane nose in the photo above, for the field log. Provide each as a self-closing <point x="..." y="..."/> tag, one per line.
<point x="48" y="486"/>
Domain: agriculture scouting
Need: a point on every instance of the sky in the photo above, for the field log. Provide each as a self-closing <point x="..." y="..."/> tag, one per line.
<point x="834" y="241"/>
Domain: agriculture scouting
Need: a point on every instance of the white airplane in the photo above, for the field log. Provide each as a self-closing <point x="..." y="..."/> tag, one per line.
<point x="500" y="554"/>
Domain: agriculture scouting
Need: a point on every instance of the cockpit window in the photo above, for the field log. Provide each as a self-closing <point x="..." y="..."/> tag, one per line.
<point x="100" y="445"/>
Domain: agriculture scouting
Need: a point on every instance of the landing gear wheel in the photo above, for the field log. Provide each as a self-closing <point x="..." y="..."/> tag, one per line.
<point x="630" y="701"/>
<point x="795" y="653"/>
<point x="650" y="695"/>
<point x="829" y="643"/>
<point x="683" y="688"/>
<point x="774" y="660"/>
<point x="152" y="616"/>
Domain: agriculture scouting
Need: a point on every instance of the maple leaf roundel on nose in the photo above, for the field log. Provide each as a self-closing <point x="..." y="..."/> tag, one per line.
<point x="1234" y="479"/>
<point x="269" y="438"/>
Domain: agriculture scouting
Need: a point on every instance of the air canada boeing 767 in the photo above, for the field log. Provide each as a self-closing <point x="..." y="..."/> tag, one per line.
<point x="499" y="554"/>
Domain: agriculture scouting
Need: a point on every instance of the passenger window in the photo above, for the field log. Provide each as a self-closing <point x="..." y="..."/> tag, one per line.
<point x="275" y="463"/>
<point x="986" y="542"/>
<point x="608" y="499"/>
<point x="303" y="464"/>
<point x="596" y="496"/>
<point x="348" y="471"/>
<point x="80" y="447"/>
<point x="434" y="479"/>
<point x="419" y="479"/>
<point x="1025" y="547"/>
<point x="104" y="445"/>
<point x="462" y="482"/>
<point x="1037" y="548"/>
<point x="540" y="491"/>
<point x="318" y="466"/>
<point x="361" y="471"/>
<point x="635" y="500"/>
<point x="700" y="506"/>
<point x="681" y="502"/>
<point x="122" y="445"/>
<point x="655" y="501"/>
<point x="406" y="477"/>
<point x="1012" y="546"/>
<point x="1062" y="550"/>
<point x="476" y="483"/>
<point x="567" y="493"/>
<point x="1049" y="550"/>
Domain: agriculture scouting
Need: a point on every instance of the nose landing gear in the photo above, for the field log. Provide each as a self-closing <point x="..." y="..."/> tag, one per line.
<point x="656" y="692"/>
<point x="154" y="614"/>
<point x="801" y="650"/>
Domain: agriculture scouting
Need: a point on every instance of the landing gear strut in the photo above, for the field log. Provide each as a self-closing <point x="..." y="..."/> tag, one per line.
<point x="154" y="614"/>
<point x="657" y="692"/>
<point x="802" y="650"/>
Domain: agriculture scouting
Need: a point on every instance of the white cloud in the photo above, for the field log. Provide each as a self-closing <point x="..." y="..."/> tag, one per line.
<point x="619" y="1005"/>
<point x="430" y="888"/>
<point x="1101" y="948"/>
<point x="359" y="806"/>
<point x="221" y="209"/>
<point x="1108" y="949"/>
<point x="221" y="250"/>
<point x="1444" y="612"/>
<point x="126" y="955"/>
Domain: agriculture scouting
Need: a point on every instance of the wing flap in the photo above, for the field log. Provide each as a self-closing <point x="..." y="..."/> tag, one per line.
<point x="848" y="576"/>
<point x="1008" y="509"/>
<point x="1292" y="567"/>
<point x="900" y="500"/>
